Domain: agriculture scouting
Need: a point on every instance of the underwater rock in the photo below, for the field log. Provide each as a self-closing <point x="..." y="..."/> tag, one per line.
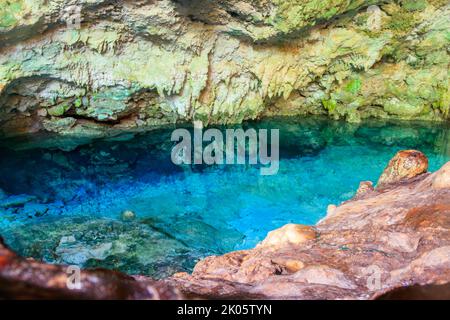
<point x="71" y="252"/>
<point x="32" y="209"/>
<point x="192" y="231"/>
<point x="128" y="215"/>
<point x="16" y="200"/>
<point x="3" y="195"/>
<point x="131" y="247"/>
<point x="366" y="247"/>
<point x="294" y="234"/>
<point x="405" y="165"/>
<point x="44" y="281"/>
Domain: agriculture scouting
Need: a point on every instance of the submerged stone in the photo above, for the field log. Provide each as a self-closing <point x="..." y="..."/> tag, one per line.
<point x="128" y="215"/>
<point x="130" y="247"/>
<point x="78" y="254"/>
<point x="193" y="232"/>
<point x="15" y="200"/>
<point x="32" y="209"/>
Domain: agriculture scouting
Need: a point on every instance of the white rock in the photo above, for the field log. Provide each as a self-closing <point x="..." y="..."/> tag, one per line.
<point x="289" y="234"/>
<point x="128" y="215"/>
<point x="441" y="179"/>
<point x="42" y="112"/>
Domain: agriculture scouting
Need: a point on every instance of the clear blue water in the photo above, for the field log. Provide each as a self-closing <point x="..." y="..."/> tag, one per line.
<point x="63" y="203"/>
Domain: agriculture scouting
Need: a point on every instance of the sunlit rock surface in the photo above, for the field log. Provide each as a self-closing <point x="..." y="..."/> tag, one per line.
<point x="289" y="234"/>
<point x="368" y="246"/>
<point x="133" y="64"/>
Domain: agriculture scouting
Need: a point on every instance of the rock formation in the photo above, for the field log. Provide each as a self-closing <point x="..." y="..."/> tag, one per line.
<point x="405" y="165"/>
<point x="384" y="239"/>
<point x="28" y="279"/>
<point x="88" y="67"/>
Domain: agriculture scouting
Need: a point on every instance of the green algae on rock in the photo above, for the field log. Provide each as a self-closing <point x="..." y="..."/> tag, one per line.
<point x="135" y="65"/>
<point x="107" y="243"/>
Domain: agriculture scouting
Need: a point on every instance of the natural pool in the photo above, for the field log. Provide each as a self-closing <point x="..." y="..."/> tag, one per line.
<point x="64" y="205"/>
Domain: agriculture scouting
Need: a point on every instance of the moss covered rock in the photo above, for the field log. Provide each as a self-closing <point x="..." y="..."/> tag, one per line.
<point x="138" y="65"/>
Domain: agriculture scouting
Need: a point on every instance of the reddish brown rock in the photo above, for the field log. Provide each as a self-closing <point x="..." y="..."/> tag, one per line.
<point x="366" y="247"/>
<point x="406" y="164"/>
<point x="365" y="187"/>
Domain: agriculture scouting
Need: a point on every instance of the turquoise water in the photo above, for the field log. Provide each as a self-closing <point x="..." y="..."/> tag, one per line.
<point x="64" y="204"/>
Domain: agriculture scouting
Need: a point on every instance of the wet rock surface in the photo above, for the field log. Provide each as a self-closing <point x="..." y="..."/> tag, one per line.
<point x="368" y="246"/>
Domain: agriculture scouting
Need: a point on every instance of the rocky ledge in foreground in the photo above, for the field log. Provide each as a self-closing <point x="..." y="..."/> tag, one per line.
<point x="388" y="237"/>
<point x="28" y="279"/>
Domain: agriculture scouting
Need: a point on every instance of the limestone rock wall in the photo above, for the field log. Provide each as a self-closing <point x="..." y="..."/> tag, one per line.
<point x="134" y="64"/>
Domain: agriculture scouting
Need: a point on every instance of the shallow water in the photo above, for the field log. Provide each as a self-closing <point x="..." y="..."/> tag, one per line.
<point x="65" y="206"/>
